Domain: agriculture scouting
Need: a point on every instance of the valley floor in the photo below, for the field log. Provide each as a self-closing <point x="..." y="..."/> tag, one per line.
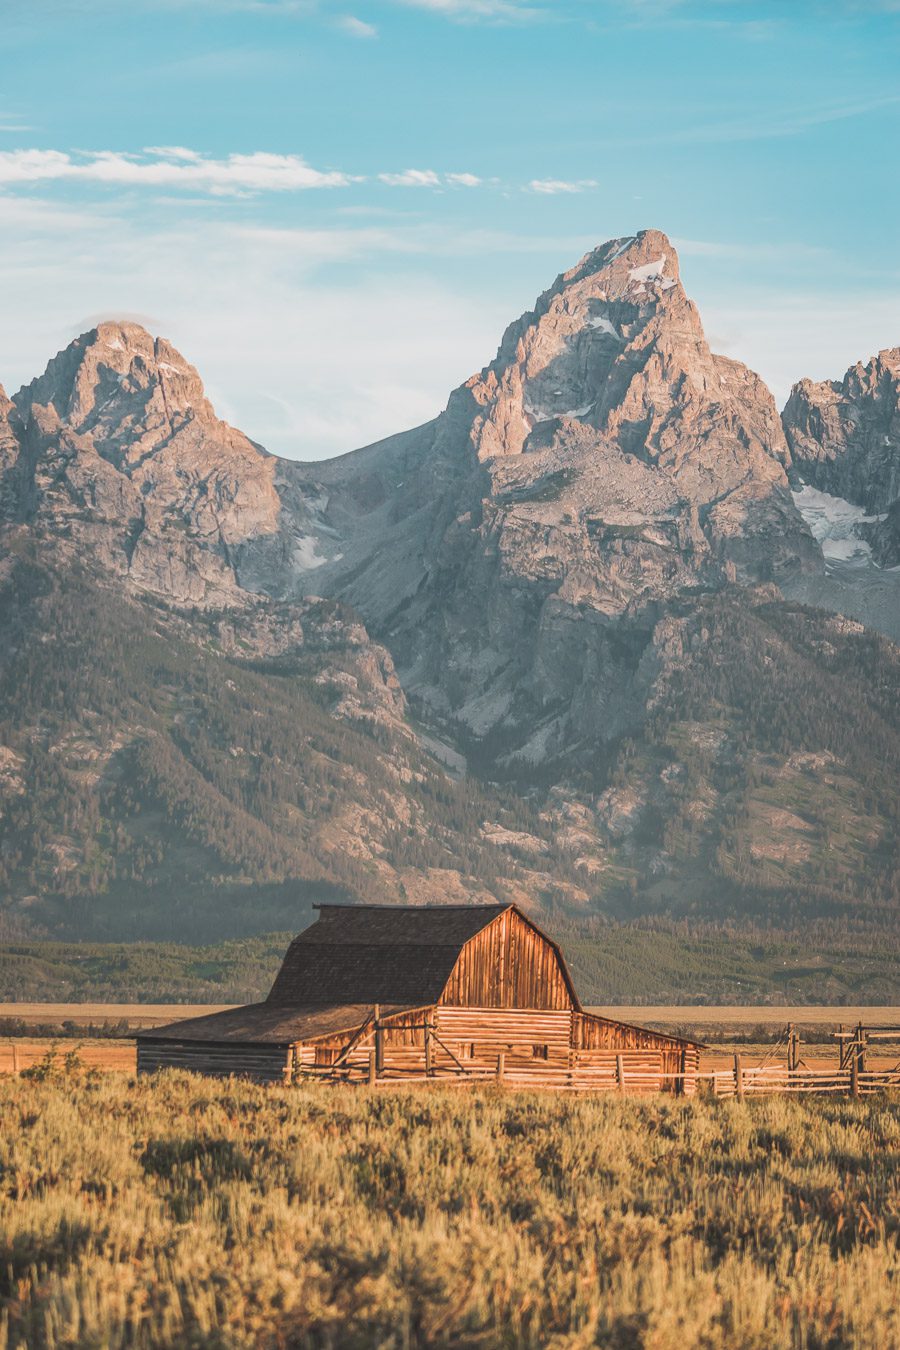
<point x="184" y="1212"/>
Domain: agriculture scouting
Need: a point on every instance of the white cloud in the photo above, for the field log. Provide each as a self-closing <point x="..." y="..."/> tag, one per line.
<point x="550" y="186"/>
<point x="786" y="334"/>
<point x="306" y="356"/>
<point x="357" y="28"/>
<point x="170" y="167"/>
<point x="173" y="152"/>
<point x="496" y="10"/>
<point x="411" y="178"/>
<point x="178" y="167"/>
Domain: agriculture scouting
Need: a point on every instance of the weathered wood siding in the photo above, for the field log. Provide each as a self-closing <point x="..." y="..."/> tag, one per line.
<point x="524" y="1036"/>
<point x="537" y="1047"/>
<point x="261" y="1063"/>
<point x="599" y="1033"/>
<point x="508" y="965"/>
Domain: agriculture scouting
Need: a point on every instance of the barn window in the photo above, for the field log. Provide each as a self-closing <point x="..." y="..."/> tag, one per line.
<point x="540" y="1052"/>
<point x="325" y="1055"/>
<point x="466" y="1050"/>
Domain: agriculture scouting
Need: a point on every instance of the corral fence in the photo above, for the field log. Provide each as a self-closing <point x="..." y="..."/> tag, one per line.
<point x="739" y="1081"/>
<point x="629" y="1072"/>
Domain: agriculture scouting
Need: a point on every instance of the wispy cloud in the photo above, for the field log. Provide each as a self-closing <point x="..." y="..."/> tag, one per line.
<point x="173" y="152"/>
<point x="502" y="11"/>
<point x="179" y="167"/>
<point x="776" y="124"/>
<point x="427" y="178"/>
<point x="12" y="122"/>
<point x="411" y="178"/>
<point x="358" y="28"/>
<point x="169" y="167"/>
<point x="549" y="187"/>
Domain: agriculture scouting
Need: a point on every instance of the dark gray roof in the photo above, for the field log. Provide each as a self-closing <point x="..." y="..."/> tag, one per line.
<point x="378" y="954"/>
<point x="268" y="1023"/>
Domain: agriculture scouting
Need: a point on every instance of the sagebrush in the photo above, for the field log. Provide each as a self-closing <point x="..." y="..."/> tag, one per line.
<point x="174" y="1211"/>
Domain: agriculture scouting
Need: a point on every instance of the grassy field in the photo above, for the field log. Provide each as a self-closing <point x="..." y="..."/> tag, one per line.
<point x="198" y="1214"/>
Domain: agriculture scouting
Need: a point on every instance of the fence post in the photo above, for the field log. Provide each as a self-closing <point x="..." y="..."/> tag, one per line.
<point x="15" y="1050"/>
<point x="373" y="1066"/>
<point x="854" y="1078"/>
<point x="379" y="1042"/>
<point x="738" y="1078"/>
<point x="680" y="1084"/>
<point x="501" y="1065"/>
<point x="428" y="1052"/>
<point x="620" y="1073"/>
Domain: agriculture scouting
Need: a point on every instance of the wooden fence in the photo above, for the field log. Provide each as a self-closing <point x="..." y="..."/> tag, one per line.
<point x="626" y="1075"/>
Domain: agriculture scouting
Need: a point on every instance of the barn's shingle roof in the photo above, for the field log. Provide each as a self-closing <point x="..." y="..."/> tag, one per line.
<point x="378" y="953"/>
<point x="269" y="1023"/>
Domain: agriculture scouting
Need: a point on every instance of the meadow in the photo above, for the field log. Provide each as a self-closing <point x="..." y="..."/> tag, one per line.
<point x="179" y="1211"/>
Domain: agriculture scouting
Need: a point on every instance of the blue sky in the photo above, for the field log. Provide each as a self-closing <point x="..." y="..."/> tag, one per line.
<point x="334" y="210"/>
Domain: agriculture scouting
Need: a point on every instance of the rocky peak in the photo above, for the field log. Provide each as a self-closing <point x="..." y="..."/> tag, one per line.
<point x="616" y="345"/>
<point x="122" y="454"/>
<point x="124" y="389"/>
<point x="845" y="440"/>
<point x="845" y="434"/>
<point x="518" y="552"/>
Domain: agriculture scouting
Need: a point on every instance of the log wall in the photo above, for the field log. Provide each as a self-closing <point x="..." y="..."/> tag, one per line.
<point x="261" y="1063"/>
<point x="535" y="1047"/>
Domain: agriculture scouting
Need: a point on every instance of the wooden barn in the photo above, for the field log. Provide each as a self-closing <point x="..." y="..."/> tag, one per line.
<point x="389" y="992"/>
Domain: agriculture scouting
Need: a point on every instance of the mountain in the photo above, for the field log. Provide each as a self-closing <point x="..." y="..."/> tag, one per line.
<point x="537" y="649"/>
<point x="169" y="773"/>
<point x="845" y="440"/>
<point x="844" y="437"/>
<point x="123" y="457"/>
<point x="517" y="553"/>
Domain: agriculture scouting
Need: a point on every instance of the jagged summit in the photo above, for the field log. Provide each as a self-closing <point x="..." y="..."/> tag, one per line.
<point x="125" y="388"/>
<point x="616" y="345"/>
<point x="604" y="466"/>
<point x="120" y="452"/>
<point x="845" y="440"/>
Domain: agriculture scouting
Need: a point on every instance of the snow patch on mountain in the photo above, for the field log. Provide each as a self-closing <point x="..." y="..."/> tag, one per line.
<point x="835" y="523"/>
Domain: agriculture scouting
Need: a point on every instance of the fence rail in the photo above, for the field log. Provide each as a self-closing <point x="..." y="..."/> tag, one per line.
<point x="740" y="1081"/>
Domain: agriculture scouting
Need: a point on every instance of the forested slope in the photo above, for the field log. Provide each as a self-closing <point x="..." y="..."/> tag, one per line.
<point x="159" y="778"/>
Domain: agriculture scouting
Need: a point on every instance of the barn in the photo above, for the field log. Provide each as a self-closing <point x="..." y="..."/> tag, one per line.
<point x="391" y="992"/>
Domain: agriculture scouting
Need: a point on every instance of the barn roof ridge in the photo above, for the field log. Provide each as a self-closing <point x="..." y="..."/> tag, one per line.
<point x="428" y="904"/>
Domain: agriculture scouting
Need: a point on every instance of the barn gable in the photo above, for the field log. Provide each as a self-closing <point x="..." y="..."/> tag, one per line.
<point x="378" y="954"/>
<point x="510" y="963"/>
<point x="487" y="956"/>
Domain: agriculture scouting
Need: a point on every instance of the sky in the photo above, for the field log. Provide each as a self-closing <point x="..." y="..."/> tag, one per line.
<point x="333" y="210"/>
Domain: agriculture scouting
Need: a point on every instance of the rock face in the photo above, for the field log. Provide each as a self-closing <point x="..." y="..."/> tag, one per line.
<point x="10" y="451"/>
<point x="517" y="553"/>
<point x="122" y="454"/>
<point x="574" y="577"/>
<point x="844" y="436"/>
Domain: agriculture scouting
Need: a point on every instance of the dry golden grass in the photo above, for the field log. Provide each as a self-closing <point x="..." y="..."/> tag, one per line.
<point x="23" y="1052"/>
<point x="182" y="1212"/>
